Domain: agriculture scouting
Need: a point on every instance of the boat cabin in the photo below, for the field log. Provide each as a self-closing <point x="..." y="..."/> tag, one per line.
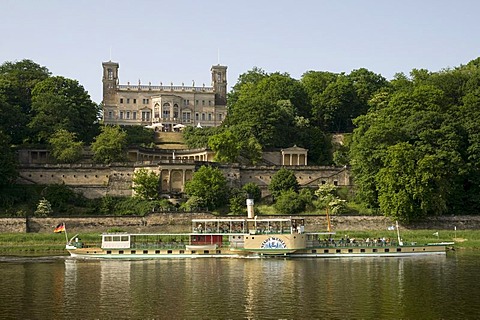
<point x="115" y="241"/>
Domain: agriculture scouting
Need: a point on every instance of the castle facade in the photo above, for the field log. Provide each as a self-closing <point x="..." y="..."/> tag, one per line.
<point x="165" y="107"/>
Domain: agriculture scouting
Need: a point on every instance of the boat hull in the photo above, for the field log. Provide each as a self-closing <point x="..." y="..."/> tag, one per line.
<point x="227" y="252"/>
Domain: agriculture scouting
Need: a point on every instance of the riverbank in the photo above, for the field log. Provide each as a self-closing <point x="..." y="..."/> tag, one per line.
<point x="51" y="243"/>
<point x="174" y="222"/>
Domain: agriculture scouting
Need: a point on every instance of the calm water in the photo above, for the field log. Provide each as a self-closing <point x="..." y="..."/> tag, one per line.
<point x="360" y="288"/>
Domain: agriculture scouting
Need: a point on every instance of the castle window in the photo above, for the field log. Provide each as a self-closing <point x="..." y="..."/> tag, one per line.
<point x="134" y="101"/>
<point x="175" y="111"/>
<point x="186" y="116"/>
<point x="209" y="102"/>
<point x="188" y="102"/>
<point x="203" y="102"/>
<point x="196" y="116"/>
<point x="203" y="116"/>
<point x="110" y="74"/>
<point x="145" y="115"/>
<point x="209" y="117"/>
<point x="121" y="100"/>
<point x="110" y="115"/>
<point x="128" y="114"/>
<point x="121" y="114"/>
<point x="196" y="102"/>
<point x="134" y="115"/>
<point x="220" y="116"/>
<point x="335" y="183"/>
<point x="128" y="100"/>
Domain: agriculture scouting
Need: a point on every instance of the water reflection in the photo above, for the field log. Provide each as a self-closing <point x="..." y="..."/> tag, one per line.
<point x="400" y="288"/>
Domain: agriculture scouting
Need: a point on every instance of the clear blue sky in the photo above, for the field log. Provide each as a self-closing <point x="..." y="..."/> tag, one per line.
<point x="178" y="41"/>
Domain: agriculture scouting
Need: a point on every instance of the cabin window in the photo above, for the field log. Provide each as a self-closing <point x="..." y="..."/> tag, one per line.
<point x="350" y="250"/>
<point x="374" y="250"/>
<point x="109" y="252"/>
<point x="108" y="238"/>
<point x="145" y="251"/>
<point x="182" y="251"/>
<point x="338" y="251"/>
<point x="193" y="251"/>
<point x="219" y="251"/>
<point x="120" y="252"/>
<point x="133" y="251"/>
<point x="326" y="251"/>
<point x="206" y="251"/>
<point x="387" y="250"/>
<point x="124" y="238"/>
<point x="362" y="250"/>
<point x="169" y="251"/>
<point x="157" y="251"/>
<point x="314" y="251"/>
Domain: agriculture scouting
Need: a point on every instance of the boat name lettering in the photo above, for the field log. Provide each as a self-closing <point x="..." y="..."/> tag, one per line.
<point x="273" y="243"/>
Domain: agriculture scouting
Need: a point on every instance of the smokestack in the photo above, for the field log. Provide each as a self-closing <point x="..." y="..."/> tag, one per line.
<point x="250" y="211"/>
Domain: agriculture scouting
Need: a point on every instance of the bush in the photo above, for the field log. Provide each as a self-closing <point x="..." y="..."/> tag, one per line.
<point x="289" y="202"/>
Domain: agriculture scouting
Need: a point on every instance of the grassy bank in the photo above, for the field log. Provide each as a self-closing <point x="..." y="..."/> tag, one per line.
<point x="50" y="243"/>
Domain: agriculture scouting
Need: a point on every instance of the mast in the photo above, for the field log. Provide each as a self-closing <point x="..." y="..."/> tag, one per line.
<point x="329" y="226"/>
<point x="398" y="235"/>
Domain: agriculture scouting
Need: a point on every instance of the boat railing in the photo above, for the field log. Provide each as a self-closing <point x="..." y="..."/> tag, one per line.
<point x="355" y="243"/>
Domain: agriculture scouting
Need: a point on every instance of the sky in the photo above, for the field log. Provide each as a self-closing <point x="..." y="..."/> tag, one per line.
<point x="178" y="40"/>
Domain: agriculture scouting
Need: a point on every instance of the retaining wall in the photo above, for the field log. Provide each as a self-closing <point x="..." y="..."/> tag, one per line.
<point x="180" y="222"/>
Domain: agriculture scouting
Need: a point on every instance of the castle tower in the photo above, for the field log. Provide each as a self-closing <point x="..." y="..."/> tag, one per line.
<point x="110" y="82"/>
<point x="219" y="83"/>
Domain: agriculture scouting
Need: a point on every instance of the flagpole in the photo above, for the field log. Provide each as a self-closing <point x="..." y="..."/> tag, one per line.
<point x="398" y="235"/>
<point x="66" y="236"/>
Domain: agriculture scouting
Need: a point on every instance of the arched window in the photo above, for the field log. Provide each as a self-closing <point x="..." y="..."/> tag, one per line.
<point x="166" y="111"/>
<point x="175" y="111"/>
<point x="110" y="74"/>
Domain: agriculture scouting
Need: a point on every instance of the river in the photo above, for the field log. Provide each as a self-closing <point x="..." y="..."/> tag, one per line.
<point x="436" y="287"/>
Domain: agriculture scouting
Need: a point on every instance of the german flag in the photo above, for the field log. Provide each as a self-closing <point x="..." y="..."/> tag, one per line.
<point x="60" y="228"/>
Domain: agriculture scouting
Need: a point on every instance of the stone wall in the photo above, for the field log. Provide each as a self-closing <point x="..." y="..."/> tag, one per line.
<point x="181" y="222"/>
<point x="97" y="180"/>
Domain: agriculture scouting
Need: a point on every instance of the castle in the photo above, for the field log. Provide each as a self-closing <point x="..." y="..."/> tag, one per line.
<point x="166" y="107"/>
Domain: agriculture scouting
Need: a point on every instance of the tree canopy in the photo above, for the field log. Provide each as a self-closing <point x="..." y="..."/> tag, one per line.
<point x="209" y="185"/>
<point x="283" y="180"/>
<point x="61" y="103"/>
<point x="415" y="152"/>
<point x="110" y="145"/>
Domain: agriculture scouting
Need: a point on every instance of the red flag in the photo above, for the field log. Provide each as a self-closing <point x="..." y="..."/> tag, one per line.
<point x="60" y="228"/>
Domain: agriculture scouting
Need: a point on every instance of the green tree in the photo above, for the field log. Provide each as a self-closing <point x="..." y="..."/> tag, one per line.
<point x="210" y="185"/>
<point x="110" y="145"/>
<point x="61" y="103"/>
<point x="64" y="148"/>
<point x="17" y="80"/>
<point x="408" y="154"/>
<point x="44" y="209"/>
<point x="237" y="202"/>
<point x="327" y="198"/>
<point x="62" y="198"/>
<point x="139" y="135"/>
<point x="289" y="202"/>
<point x="283" y="180"/>
<point x="226" y="146"/>
<point x="233" y="142"/>
<point x="267" y="107"/>
<point x="198" y="137"/>
<point x="253" y="190"/>
<point x="8" y="166"/>
<point x="145" y="184"/>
